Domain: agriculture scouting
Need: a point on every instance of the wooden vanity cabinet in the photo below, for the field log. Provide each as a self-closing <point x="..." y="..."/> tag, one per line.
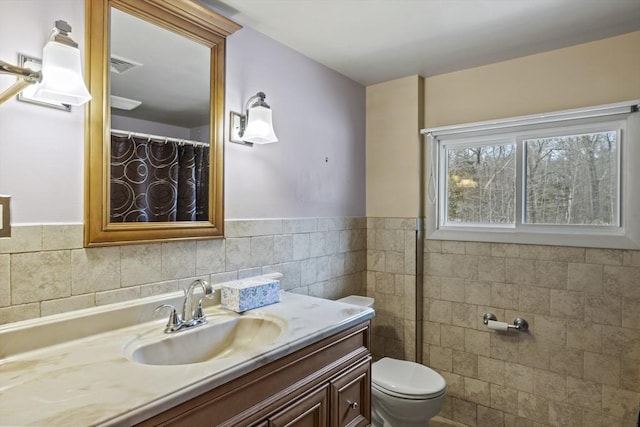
<point x="327" y="383"/>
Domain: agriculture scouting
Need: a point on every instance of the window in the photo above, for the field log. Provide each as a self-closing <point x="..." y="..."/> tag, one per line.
<point x="572" y="179"/>
<point x="568" y="178"/>
<point x="480" y="184"/>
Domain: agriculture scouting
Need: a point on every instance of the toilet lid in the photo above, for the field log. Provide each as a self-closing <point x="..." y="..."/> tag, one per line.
<point x="404" y="378"/>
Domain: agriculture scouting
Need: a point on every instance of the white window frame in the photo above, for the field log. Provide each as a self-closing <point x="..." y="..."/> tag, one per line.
<point x="622" y="117"/>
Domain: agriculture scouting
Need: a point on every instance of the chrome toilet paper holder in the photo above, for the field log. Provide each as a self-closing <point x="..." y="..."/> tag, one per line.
<point x="519" y="324"/>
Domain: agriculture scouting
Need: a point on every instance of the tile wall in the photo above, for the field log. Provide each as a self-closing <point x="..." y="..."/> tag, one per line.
<point x="391" y="281"/>
<point x="45" y="270"/>
<point x="579" y="365"/>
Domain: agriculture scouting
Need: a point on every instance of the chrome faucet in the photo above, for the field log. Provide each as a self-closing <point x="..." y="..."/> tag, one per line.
<point x="190" y="317"/>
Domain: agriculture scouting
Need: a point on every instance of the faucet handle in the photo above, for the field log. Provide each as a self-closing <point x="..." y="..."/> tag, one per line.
<point x="175" y="323"/>
<point x="198" y="314"/>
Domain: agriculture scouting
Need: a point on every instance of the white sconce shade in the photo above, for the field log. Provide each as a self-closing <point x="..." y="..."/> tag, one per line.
<point x="62" y="79"/>
<point x="259" y="126"/>
<point x="255" y="126"/>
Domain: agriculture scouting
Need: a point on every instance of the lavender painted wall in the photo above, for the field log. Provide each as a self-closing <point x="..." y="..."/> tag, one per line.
<point x="41" y="149"/>
<point x="317" y="112"/>
<point x="317" y="168"/>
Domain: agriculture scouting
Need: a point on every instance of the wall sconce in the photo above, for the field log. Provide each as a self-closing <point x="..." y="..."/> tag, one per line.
<point x="255" y="126"/>
<point x="60" y="80"/>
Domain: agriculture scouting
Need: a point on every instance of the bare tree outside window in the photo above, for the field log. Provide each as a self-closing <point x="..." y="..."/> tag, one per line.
<point x="481" y="184"/>
<point x="572" y="179"/>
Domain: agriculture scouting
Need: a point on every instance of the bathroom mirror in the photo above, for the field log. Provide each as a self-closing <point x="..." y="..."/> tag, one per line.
<point x="154" y="131"/>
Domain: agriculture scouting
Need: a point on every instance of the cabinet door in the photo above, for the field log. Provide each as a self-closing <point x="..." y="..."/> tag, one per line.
<point x="351" y="397"/>
<point x="309" y="411"/>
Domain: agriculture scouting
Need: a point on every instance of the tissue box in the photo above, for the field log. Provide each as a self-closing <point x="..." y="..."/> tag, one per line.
<point x="248" y="294"/>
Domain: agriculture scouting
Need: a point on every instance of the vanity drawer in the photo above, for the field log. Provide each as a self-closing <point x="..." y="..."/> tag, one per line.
<point x="351" y="397"/>
<point x="309" y="411"/>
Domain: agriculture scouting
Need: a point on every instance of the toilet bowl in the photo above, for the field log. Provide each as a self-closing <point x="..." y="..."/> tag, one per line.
<point x="404" y="394"/>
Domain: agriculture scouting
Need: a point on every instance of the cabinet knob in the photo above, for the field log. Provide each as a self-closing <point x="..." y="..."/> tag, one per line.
<point x="352" y="405"/>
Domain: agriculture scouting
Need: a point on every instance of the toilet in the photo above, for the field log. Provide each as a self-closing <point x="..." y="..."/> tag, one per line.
<point x="404" y="394"/>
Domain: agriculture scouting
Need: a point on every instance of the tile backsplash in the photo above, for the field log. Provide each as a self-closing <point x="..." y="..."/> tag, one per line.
<point x="45" y="270"/>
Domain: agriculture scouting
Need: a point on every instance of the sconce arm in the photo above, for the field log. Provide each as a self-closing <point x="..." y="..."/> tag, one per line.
<point x="258" y="99"/>
<point x="13" y="90"/>
<point x="26" y="73"/>
<point x="26" y="76"/>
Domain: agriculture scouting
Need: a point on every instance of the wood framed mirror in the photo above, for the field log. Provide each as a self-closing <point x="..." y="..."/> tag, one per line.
<point x="154" y="152"/>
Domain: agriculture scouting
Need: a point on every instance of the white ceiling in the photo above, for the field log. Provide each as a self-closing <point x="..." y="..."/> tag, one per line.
<point x="372" y="41"/>
<point x="170" y="94"/>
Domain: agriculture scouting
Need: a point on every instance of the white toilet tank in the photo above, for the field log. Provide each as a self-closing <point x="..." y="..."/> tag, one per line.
<point x="358" y="300"/>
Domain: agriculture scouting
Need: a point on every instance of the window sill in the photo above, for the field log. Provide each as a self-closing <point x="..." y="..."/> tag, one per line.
<point x="579" y="238"/>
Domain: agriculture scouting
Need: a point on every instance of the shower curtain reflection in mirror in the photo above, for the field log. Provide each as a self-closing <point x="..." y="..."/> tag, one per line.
<point x="155" y="181"/>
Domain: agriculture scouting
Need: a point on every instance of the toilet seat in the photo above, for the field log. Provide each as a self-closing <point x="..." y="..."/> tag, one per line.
<point x="406" y="380"/>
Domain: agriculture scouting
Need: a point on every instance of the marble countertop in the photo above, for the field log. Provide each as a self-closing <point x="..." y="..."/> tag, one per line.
<point x="87" y="380"/>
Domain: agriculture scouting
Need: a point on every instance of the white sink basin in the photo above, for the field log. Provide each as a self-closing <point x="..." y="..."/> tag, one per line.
<point x="224" y="336"/>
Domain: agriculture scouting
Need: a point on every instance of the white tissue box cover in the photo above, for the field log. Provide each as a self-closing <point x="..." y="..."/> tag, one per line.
<point x="248" y="294"/>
